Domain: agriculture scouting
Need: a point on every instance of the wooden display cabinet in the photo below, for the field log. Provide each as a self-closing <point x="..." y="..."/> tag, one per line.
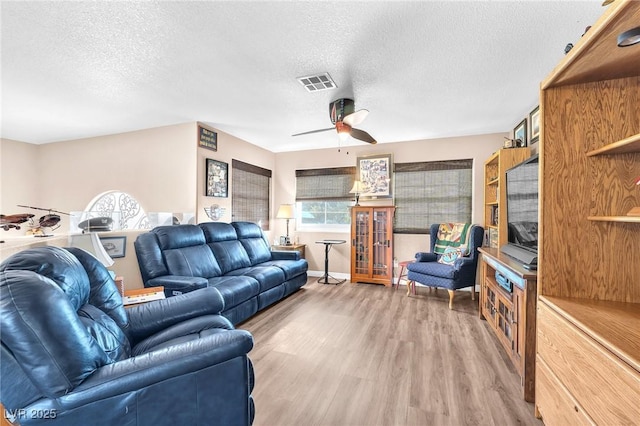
<point x="510" y="311"/>
<point x="588" y="276"/>
<point x="495" y="193"/>
<point x="372" y="244"/>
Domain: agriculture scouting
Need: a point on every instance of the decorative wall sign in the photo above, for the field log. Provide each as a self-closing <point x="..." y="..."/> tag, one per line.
<point x="207" y="138"/>
<point x="216" y="178"/>
<point x="375" y="172"/>
<point x="534" y="123"/>
<point x="520" y="132"/>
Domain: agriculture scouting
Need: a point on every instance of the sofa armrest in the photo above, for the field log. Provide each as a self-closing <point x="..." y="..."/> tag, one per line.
<point x="285" y="255"/>
<point x="177" y="284"/>
<point x="152" y="317"/>
<point x="426" y="257"/>
<point x="464" y="262"/>
<point x="156" y="369"/>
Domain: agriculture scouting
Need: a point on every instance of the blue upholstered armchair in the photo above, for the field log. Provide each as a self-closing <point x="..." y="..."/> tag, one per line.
<point x="461" y="273"/>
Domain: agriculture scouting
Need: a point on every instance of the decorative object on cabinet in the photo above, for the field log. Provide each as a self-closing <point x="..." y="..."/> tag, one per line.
<point x="357" y="189"/>
<point x="217" y="178"/>
<point x="588" y="310"/>
<point x="115" y="246"/>
<point x="375" y="172"/>
<point x="288" y="212"/>
<point x="372" y="244"/>
<point x="508" y="303"/>
<point x="520" y="134"/>
<point x="429" y="271"/>
<point x="207" y="138"/>
<point x="534" y="125"/>
<point x="495" y="195"/>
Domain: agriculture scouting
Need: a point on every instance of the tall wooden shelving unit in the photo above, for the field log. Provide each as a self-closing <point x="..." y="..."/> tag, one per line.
<point x="372" y="244"/>
<point x="588" y="314"/>
<point x="495" y="194"/>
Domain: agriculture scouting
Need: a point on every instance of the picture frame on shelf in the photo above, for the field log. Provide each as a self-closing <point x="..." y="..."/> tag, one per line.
<point x="216" y="178"/>
<point x="534" y="125"/>
<point x="114" y="246"/>
<point x="376" y="174"/>
<point x="520" y="132"/>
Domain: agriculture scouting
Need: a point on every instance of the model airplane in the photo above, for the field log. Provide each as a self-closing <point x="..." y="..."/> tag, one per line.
<point x="50" y="220"/>
<point x="13" y="220"/>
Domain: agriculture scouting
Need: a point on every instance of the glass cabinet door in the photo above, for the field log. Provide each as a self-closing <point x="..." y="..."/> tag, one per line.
<point x="380" y="243"/>
<point x="361" y="242"/>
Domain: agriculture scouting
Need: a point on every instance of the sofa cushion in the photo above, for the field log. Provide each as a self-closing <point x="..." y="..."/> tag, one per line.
<point x="217" y="231"/>
<point x="106" y="332"/>
<point x="235" y="289"/>
<point x="230" y="255"/>
<point x="291" y="268"/>
<point x="253" y="241"/>
<point x="267" y="276"/>
<point x="193" y="261"/>
<point x="173" y="237"/>
<point x="433" y="268"/>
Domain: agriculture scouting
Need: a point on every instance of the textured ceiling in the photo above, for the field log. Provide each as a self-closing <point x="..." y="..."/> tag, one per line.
<point x="426" y="69"/>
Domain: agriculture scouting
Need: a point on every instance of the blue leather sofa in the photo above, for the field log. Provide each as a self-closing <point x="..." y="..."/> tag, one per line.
<point x="71" y="354"/>
<point x="233" y="258"/>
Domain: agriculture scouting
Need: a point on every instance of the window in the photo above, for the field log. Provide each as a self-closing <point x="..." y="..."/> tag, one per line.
<point x="323" y="199"/>
<point x="120" y="206"/>
<point x="432" y="192"/>
<point x="250" y="188"/>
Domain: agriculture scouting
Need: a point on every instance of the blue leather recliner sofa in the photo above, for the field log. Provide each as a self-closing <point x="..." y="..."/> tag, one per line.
<point x="233" y="258"/>
<point x="71" y="354"/>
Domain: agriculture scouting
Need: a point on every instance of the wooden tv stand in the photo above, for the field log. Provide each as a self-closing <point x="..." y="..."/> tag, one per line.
<point x="511" y="314"/>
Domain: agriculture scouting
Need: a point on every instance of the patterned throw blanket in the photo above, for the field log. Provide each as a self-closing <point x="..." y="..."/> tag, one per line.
<point x="454" y="235"/>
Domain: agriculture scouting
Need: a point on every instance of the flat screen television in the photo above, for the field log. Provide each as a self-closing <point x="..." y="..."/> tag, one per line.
<point x="522" y="212"/>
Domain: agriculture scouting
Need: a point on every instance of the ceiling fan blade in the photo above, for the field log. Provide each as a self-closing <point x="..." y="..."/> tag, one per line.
<point x="314" y="131"/>
<point x="356" y="118"/>
<point x="363" y="136"/>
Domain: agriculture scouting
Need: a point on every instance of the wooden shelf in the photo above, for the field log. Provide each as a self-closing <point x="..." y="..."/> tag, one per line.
<point x="493" y="181"/>
<point x="596" y="57"/>
<point x="616" y="325"/>
<point x="492" y="203"/>
<point x="626" y="219"/>
<point x="630" y="144"/>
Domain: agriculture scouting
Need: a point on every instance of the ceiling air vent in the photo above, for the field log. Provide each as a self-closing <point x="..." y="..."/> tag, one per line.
<point x="315" y="83"/>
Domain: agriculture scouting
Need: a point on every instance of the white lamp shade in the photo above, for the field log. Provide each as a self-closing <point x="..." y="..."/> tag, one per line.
<point x="286" y="211"/>
<point x="357" y="188"/>
<point x="90" y="242"/>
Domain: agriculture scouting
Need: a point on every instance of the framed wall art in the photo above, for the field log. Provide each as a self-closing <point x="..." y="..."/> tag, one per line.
<point x="534" y="124"/>
<point x="375" y="172"/>
<point x="207" y="138"/>
<point x="217" y="178"/>
<point x="114" y="246"/>
<point x="520" y="132"/>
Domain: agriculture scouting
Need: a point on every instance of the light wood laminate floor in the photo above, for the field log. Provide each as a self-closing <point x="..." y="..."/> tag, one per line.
<point x="365" y="354"/>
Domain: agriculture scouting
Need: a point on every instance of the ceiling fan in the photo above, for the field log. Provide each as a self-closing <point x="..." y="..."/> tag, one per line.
<point x="344" y="117"/>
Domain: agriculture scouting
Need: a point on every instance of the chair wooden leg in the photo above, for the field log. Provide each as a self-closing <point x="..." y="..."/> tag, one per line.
<point x="473" y="293"/>
<point x="451" y="292"/>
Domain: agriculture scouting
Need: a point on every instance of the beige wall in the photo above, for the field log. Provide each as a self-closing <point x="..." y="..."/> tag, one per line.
<point x="477" y="147"/>
<point x="165" y="170"/>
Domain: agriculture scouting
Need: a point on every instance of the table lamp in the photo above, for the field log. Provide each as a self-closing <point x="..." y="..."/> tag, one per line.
<point x="286" y="211"/>
<point x="358" y="188"/>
